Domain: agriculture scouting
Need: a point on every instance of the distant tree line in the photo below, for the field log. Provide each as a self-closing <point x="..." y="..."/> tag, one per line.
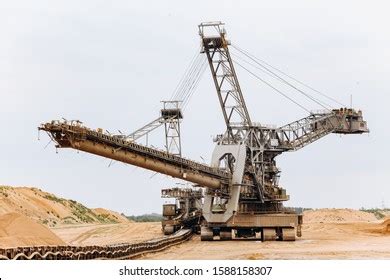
<point x="299" y="210"/>
<point x="145" y="218"/>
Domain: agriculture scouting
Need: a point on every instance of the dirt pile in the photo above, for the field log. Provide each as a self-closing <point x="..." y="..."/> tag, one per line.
<point x="379" y="227"/>
<point x="111" y="215"/>
<point x="337" y="215"/>
<point x="385" y="214"/>
<point x="19" y="230"/>
<point x="50" y="210"/>
<point x="386" y="227"/>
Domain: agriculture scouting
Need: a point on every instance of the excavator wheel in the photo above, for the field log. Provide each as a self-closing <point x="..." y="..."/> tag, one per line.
<point x="225" y="234"/>
<point x="206" y="234"/>
<point x="269" y="234"/>
<point x="169" y="230"/>
<point x="288" y="234"/>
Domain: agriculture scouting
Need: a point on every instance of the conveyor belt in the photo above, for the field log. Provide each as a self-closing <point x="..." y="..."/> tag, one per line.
<point x="119" y="251"/>
<point x="74" y="135"/>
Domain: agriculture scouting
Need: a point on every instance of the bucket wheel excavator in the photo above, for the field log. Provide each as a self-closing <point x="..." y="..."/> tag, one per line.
<point x="241" y="195"/>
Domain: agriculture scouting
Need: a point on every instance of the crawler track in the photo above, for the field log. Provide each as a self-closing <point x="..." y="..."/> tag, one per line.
<point x="119" y="251"/>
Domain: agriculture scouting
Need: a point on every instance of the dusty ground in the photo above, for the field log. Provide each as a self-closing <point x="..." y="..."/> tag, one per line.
<point x="359" y="239"/>
<point x="350" y="240"/>
<point x="362" y="240"/>
<point x="108" y="234"/>
<point x="19" y="230"/>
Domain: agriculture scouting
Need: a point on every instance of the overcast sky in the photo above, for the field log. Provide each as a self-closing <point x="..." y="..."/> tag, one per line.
<point x="109" y="63"/>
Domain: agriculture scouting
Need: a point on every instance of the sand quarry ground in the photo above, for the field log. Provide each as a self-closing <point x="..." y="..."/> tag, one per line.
<point x="327" y="233"/>
<point x="352" y="240"/>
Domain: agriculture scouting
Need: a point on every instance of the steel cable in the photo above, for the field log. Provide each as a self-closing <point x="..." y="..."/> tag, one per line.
<point x="259" y="61"/>
<point x="271" y="74"/>
<point x="271" y="86"/>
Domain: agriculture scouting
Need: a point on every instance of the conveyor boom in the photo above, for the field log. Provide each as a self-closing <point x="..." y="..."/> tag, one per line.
<point x="74" y="135"/>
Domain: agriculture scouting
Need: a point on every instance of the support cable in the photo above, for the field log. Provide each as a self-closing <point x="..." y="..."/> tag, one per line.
<point x="287" y="83"/>
<point x="271" y="74"/>
<point x="185" y="74"/>
<point x="271" y="86"/>
<point x="258" y="60"/>
<point x="192" y="79"/>
<point x="183" y="88"/>
<point x="195" y="84"/>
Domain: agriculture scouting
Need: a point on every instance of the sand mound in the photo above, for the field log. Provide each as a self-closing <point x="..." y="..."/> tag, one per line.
<point x="19" y="230"/>
<point x="382" y="228"/>
<point x="386" y="226"/>
<point x="111" y="215"/>
<point x="50" y="210"/>
<point x="337" y="215"/>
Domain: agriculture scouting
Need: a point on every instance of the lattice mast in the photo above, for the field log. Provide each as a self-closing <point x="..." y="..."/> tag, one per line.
<point x="229" y="93"/>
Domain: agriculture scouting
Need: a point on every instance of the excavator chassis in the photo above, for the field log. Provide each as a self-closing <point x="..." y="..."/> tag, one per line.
<point x="266" y="227"/>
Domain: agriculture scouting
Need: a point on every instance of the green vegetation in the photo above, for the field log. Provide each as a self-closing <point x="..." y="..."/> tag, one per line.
<point x="78" y="212"/>
<point x="86" y="215"/>
<point x="69" y="220"/>
<point x="3" y="190"/>
<point x="299" y="210"/>
<point x="55" y="199"/>
<point x="146" y="218"/>
<point x="107" y="218"/>
<point x="378" y="212"/>
<point x="81" y="212"/>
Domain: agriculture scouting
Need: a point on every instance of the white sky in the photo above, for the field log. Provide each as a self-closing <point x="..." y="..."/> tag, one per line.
<point x="109" y="63"/>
